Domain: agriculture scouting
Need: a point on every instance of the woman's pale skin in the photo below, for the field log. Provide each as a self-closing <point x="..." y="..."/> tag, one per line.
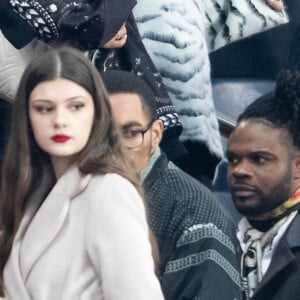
<point x="61" y="114"/>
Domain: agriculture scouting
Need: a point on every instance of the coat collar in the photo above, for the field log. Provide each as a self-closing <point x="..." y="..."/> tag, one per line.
<point x="293" y="236"/>
<point x="159" y="166"/>
<point x="283" y="255"/>
<point x="42" y="221"/>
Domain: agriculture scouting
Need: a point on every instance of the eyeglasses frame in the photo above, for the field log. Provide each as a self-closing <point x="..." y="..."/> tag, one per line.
<point x="143" y="134"/>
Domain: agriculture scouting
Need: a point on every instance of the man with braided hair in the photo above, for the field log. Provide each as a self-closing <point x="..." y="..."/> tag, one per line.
<point x="264" y="179"/>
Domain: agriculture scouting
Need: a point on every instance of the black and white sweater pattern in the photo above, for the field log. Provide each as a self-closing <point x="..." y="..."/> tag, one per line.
<point x="196" y="239"/>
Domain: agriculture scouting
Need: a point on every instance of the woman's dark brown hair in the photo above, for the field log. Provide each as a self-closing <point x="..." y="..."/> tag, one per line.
<point x="24" y="162"/>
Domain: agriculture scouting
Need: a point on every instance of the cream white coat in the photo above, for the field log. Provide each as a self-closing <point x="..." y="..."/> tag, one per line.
<point x="88" y="240"/>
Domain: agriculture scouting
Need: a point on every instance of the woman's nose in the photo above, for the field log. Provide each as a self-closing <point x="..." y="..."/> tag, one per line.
<point x="60" y="118"/>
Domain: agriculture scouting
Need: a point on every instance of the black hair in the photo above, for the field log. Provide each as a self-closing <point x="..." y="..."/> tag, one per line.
<point x="117" y="81"/>
<point x="281" y="108"/>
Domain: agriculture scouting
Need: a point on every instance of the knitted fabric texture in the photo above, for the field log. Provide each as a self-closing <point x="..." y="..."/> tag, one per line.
<point x="196" y="239"/>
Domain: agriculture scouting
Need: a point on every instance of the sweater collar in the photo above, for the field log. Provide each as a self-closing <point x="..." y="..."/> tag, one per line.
<point x="154" y="157"/>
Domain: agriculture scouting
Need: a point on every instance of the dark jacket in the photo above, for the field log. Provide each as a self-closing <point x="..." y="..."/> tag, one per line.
<point x="196" y="239"/>
<point x="281" y="281"/>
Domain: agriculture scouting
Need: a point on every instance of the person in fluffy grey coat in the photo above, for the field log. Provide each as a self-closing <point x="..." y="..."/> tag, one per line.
<point x="178" y="35"/>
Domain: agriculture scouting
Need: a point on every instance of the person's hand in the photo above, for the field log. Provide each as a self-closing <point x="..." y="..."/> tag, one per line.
<point x="276" y="4"/>
<point x="118" y="40"/>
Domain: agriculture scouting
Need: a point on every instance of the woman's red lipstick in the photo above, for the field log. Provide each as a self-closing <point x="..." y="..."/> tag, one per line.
<point x="60" y="138"/>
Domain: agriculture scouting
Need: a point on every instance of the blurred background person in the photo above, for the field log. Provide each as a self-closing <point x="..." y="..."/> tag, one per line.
<point x="179" y="35"/>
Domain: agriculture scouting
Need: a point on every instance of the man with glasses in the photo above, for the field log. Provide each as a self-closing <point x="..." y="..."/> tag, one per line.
<point x="196" y="239"/>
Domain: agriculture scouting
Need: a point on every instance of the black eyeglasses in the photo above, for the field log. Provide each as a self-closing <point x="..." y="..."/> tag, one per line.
<point x="134" y="138"/>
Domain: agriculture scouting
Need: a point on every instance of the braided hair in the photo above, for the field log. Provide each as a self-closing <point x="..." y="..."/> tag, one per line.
<point x="281" y="108"/>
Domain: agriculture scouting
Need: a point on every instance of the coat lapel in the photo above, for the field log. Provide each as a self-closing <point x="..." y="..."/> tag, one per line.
<point x="293" y="236"/>
<point x="283" y="255"/>
<point x="49" y="218"/>
<point x="12" y="275"/>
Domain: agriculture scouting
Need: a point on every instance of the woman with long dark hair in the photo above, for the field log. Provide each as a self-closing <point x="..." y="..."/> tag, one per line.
<point x="73" y="223"/>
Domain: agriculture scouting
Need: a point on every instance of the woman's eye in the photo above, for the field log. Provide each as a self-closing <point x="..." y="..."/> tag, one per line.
<point x="43" y="109"/>
<point x="77" y="106"/>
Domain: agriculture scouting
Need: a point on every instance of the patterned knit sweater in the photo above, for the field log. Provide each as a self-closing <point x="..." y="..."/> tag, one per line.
<point x="196" y="239"/>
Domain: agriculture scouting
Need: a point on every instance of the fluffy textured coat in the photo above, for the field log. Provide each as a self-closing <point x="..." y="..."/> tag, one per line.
<point x="178" y="34"/>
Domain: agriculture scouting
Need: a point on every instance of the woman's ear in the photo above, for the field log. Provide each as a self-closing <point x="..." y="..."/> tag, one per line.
<point x="157" y="132"/>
